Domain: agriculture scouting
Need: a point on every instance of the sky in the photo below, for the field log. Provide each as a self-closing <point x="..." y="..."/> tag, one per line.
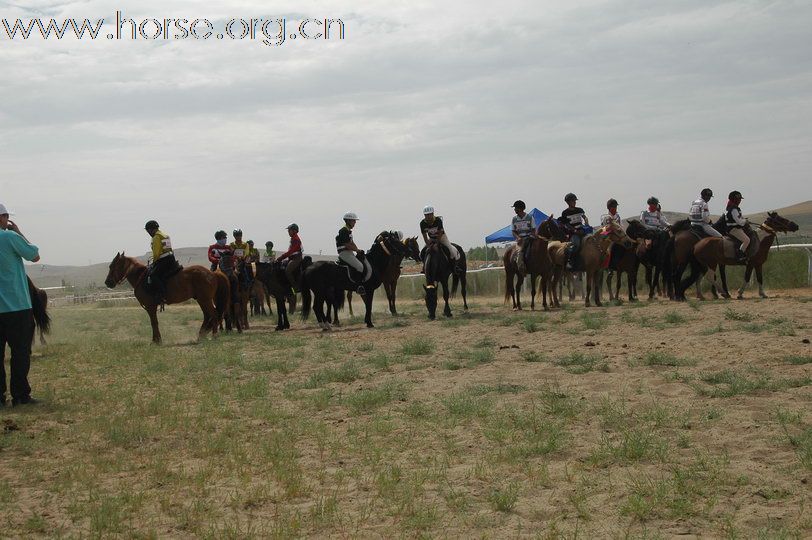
<point x="465" y="105"/>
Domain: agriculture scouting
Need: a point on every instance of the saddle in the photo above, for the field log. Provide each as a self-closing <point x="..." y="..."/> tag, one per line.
<point x="699" y="232"/>
<point x="354" y="275"/>
<point x="730" y="245"/>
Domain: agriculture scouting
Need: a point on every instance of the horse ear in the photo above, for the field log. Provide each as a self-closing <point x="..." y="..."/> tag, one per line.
<point x="772" y="214"/>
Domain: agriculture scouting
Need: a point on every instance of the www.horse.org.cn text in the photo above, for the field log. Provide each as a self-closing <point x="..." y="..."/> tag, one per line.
<point x="272" y="32"/>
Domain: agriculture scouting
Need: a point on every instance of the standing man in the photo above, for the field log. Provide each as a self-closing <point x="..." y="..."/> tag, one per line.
<point x="523" y="228"/>
<point x="16" y="315"/>
<point x="293" y="256"/>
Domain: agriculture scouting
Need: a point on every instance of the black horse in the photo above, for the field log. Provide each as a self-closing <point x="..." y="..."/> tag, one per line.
<point x="329" y="280"/>
<point x="276" y="284"/>
<point x="438" y="268"/>
<point x="39" y="303"/>
<point x="654" y="258"/>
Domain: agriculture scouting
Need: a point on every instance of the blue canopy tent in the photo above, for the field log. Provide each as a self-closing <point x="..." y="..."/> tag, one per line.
<point x="505" y="235"/>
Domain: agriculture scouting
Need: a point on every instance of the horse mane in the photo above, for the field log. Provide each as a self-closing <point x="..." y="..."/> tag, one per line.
<point x="681" y="225"/>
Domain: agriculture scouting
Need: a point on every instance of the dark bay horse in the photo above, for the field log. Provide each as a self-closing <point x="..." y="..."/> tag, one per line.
<point x="653" y="255"/>
<point x="711" y="254"/>
<point x="210" y="289"/>
<point x="624" y="260"/>
<point x="438" y="268"/>
<point x="683" y="251"/>
<point x="327" y="280"/>
<point x="538" y="264"/>
<point x="392" y="273"/>
<point x="276" y="284"/>
<point x="39" y="304"/>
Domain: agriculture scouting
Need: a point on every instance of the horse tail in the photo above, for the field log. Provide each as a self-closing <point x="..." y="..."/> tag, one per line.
<point x="222" y="297"/>
<point x="39" y="305"/>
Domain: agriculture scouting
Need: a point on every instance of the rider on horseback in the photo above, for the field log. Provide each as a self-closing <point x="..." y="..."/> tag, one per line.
<point x="524" y="231"/>
<point x="431" y="227"/>
<point x="652" y="218"/>
<point x="268" y="255"/>
<point x="253" y="253"/>
<point x="241" y="251"/>
<point x="612" y="216"/>
<point x="292" y="258"/>
<point x="576" y="219"/>
<point x="347" y="249"/>
<point x="216" y="250"/>
<point x="699" y="214"/>
<point x="735" y="223"/>
<point x="163" y="261"/>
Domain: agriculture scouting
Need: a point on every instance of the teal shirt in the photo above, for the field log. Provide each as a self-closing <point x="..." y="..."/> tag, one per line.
<point x="14" y="295"/>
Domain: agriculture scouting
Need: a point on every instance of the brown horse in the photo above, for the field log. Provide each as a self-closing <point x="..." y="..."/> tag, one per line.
<point x="683" y="254"/>
<point x="392" y="273"/>
<point x="593" y="250"/>
<point x="538" y="264"/>
<point x="210" y="289"/>
<point x="624" y="260"/>
<point x="712" y="253"/>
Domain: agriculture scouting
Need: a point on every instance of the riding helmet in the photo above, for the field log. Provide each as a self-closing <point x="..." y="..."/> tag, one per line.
<point x="519" y="204"/>
<point x="151" y="224"/>
<point x="293" y="226"/>
<point x="250" y="242"/>
<point x="351" y="215"/>
<point x="237" y="232"/>
<point x="220" y="234"/>
<point x="268" y="244"/>
<point x="428" y="209"/>
<point x="707" y="192"/>
<point x="611" y="203"/>
<point x="570" y="197"/>
<point x="734" y="194"/>
<point x="653" y="200"/>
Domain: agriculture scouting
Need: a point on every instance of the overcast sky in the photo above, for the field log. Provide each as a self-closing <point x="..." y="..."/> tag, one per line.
<point x="466" y="105"/>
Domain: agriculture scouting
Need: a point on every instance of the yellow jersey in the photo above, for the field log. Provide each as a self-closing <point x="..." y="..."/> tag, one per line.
<point x="161" y="245"/>
<point x="240" y="249"/>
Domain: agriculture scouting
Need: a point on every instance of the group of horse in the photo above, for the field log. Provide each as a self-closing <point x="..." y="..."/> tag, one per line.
<point x="666" y="255"/>
<point x="324" y="285"/>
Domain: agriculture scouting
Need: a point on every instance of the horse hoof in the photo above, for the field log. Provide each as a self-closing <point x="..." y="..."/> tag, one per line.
<point x="740" y="297"/>
<point x="370" y="325"/>
<point x="279" y="328"/>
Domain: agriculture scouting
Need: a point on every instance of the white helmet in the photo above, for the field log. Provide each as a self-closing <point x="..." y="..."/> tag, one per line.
<point x="351" y="215"/>
<point x="399" y="235"/>
<point x="428" y="209"/>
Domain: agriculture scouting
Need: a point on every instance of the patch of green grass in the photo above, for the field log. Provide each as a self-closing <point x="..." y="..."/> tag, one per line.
<point x="532" y="356"/>
<point x="346" y="373"/>
<point x="367" y="400"/>
<point x="475" y="357"/>
<point x="579" y="363"/>
<point x="797" y="360"/>
<point x="711" y="330"/>
<point x="672" y="317"/>
<point x="504" y="498"/>
<point x="466" y="405"/>
<point x="485" y="343"/>
<point x="501" y="388"/>
<point x="797" y="435"/>
<point x="417" y="347"/>
<point x="665" y="359"/>
<point x="593" y="321"/>
<point x="633" y="445"/>
<point x="729" y="383"/>
<point x="530" y="326"/>
<point x="732" y="315"/>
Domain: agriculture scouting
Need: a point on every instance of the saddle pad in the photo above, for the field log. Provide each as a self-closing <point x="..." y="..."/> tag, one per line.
<point x="731" y="247"/>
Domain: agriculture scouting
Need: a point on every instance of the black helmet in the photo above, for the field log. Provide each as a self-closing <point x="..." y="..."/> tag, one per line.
<point x="151" y="224"/>
<point x="268" y="244"/>
<point x="570" y="197"/>
<point x="734" y="194"/>
<point x="293" y="226"/>
<point x="707" y="192"/>
<point x="611" y="203"/>
<point x="220" y="234"/>
<point x="653" y="200"/>
<point x="250" y="242"/>
<point x="519" y="204"/>
<point x="237" y="232"/>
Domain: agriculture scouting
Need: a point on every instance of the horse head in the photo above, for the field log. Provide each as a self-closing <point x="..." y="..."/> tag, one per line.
<point x="637" y="230"/>
<point x="552" y="229"/>
<point x="117" y="270"/>
<point x="616" y="234"/>
<point x="412" y="249"/>
<point x="780" y="224"/>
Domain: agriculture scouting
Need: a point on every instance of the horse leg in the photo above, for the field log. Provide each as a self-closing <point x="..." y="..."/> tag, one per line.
<point x="760" y="279"/>
<point x="723" y="274"/>
<point x="589" y="279"/>
<point x="464" y="290"/>
<point x="532" y="292"/>
<point x="447" y="308"/>
<point x="519" y="283"/>
<point x="209" y="319"/>
<point x="711" y="277"/>
<point x="598" y="284"/>
<point x="153" y="319"/>
<point x="543" y="283"/>
<point x="748" y="273"/>
<point x="368" y="305"/>
<point x="609" y="275"/>
<point x="349" y="303"/>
